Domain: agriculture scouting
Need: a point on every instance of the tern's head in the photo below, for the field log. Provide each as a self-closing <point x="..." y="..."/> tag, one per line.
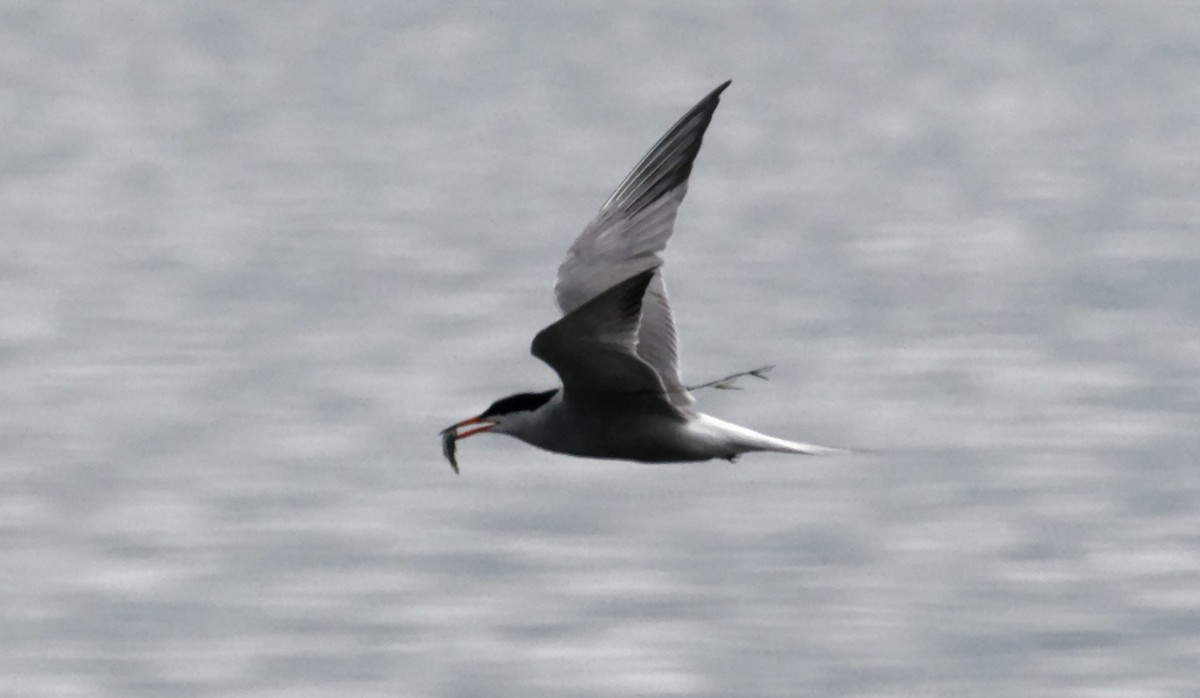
<point x="503" y="416"/>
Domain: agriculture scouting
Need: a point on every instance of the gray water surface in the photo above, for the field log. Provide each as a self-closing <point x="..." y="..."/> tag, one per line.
<point x="256" y="255"/>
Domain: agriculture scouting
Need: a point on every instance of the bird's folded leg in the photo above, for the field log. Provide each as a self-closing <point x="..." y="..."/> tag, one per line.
<point x="727" y="383"/>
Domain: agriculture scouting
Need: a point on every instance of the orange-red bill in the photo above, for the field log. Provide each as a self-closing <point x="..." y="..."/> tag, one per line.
<point x="484" y="425"/>
<point x="451" y="434"/>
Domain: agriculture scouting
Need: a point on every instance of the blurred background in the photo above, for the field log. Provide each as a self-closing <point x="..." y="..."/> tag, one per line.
<point x="255" y="255"/>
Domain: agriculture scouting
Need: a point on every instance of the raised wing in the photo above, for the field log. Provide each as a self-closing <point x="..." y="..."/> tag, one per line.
<point x="628" y="236"/>
<point x="593" y="348"/>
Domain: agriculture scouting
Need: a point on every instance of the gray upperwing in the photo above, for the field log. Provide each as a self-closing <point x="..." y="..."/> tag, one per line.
<point x="629" y="234"/>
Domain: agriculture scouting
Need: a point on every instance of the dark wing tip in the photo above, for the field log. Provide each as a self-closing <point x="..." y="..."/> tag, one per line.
<point x="669" y="162"/>
<point x="626" y="296"/>
<point x="617" y="309"/>
<point x="636" y="290"/>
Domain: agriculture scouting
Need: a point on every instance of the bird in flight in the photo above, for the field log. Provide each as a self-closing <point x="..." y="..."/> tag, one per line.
<point x="614" y="349"/>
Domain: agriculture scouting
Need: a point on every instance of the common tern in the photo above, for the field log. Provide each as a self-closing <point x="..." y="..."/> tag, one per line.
<point x="615" y="349"/>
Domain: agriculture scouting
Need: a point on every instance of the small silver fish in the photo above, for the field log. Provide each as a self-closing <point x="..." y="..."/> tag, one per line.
<point x="449" y="439"/>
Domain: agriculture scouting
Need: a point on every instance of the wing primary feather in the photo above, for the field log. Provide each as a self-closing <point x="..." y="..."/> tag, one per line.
<point x="669" y="163"/>
<point x="594" y="347"/>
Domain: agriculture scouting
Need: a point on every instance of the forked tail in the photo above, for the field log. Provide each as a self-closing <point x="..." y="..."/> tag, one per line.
<point x="739" y="439"/>
<point x="770" y="443"/>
